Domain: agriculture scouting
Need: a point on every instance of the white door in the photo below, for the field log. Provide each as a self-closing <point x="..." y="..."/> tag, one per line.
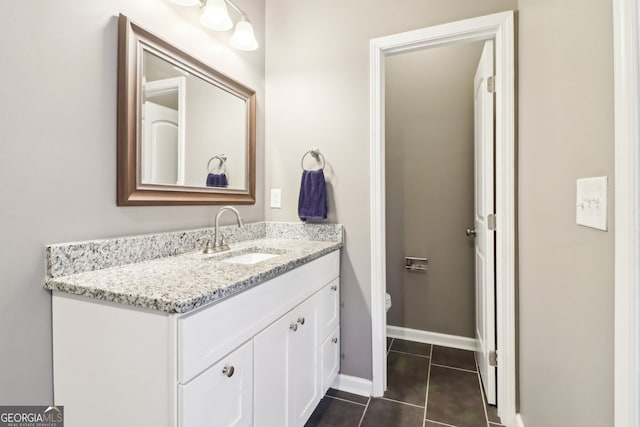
<point x="161" y="152"/>
<point x="483" y="211"/>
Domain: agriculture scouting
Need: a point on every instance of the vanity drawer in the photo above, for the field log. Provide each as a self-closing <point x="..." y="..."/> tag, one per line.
<point x="206" y="335"/>
<point x="223" y="393"/>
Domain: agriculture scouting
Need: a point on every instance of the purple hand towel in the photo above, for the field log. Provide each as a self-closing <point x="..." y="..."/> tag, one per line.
<point x="312" y="203"/>
<point x="217" y="180"/>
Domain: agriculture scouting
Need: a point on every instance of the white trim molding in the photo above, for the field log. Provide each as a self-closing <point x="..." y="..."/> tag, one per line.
<point x="436" y="338"/>
<point x="626" y="30"/>
<point x="500" y="28"/>
<point x="519" y="422"/>
<point x="354" y="385"/>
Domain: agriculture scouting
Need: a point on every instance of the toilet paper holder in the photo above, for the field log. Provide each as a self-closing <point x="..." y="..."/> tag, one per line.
<point x="413" y="263"/>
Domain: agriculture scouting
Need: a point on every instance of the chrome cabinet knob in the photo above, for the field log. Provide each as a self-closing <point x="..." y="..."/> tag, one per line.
<point x="228" y="370"/>
<point x="301" y="320"/>
<point x="334" y="340"/>
<point x="334" y="287"/>
<point x="471" y="232"/>
<point x="293" y="327"/>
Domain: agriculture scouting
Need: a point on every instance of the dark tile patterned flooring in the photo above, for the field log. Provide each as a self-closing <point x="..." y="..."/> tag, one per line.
<point x="443" y="379"/>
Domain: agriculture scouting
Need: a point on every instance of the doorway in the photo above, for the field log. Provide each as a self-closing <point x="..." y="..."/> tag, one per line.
<point x="439" y="250"/>
<point x="499" y="29"/>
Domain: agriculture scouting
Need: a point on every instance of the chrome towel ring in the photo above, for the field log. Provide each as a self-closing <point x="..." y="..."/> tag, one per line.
<point x="222" y="166"/>
<point x="316" y="154"/>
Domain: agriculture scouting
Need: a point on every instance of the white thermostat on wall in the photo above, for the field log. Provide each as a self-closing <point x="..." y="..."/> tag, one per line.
<point x="591" y="202"/>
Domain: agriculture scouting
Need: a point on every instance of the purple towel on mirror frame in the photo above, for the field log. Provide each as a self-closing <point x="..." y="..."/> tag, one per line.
<point x="312" y="203"/>
<point x="217" y="180"/>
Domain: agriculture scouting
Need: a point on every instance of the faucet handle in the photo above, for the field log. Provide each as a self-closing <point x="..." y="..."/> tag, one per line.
<point x="222" y="246"/>
<point x="208" y="245"/>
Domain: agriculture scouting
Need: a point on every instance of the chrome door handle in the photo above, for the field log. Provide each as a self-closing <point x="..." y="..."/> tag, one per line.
<point x="471" y="232"/>
<point x="301" y="320"/>
<point x="293" y="327"/>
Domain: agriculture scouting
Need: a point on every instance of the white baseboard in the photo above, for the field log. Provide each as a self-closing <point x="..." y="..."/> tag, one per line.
<point x="519" y="422"/>
<point x="436" y="338"/>
<point x="354" y="385"/>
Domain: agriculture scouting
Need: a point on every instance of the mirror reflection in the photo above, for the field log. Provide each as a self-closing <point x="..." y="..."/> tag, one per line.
<point x="193" y="132"/>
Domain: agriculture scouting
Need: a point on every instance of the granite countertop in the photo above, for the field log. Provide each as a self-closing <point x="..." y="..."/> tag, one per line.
<point x="184" y="282"/>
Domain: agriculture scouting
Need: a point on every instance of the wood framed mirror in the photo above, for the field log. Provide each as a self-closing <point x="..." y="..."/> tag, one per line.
<point x="186" y="132"/>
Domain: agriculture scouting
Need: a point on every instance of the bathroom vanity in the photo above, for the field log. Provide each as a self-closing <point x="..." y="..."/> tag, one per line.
<point x="246" y="337"/>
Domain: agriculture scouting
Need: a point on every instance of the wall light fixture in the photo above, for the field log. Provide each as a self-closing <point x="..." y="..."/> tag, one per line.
<point x="215" y="16"/>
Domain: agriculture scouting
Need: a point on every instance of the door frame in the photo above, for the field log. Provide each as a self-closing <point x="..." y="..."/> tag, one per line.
<point x="626" y="42"/>
<point x="500" y="28"/>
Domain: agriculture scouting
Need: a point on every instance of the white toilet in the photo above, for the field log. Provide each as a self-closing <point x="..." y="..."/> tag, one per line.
<point x="387" y="301"/>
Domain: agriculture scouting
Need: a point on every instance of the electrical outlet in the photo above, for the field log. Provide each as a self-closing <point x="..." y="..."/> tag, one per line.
<point x="276" y="198"/>
<point x="591" y="202"/>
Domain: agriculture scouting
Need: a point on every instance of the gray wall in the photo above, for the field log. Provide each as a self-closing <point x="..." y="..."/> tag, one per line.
<point x="566" y="271"/>
<point x="429" y="187"/>
<point x="318" y="96"/>
<point x="58" y="153"/>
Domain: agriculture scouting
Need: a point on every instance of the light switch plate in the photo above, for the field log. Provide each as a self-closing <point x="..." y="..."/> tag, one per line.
<point x="276" y="198"/>
<point x="591" y="202"/>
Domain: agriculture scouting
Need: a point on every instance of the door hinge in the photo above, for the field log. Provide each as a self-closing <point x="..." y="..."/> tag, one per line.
<point x="493" y="358"/>
<point x="491" y="84"/>
<point x="491" y="222"/>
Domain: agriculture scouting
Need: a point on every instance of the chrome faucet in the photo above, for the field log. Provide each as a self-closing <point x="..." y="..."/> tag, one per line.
<point x="219" y="246"/>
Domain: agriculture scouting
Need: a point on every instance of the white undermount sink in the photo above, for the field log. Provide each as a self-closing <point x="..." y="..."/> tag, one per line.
<point x="249" y="258"/>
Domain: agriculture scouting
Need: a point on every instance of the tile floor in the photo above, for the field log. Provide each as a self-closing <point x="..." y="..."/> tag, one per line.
<point x="444" y="379"/>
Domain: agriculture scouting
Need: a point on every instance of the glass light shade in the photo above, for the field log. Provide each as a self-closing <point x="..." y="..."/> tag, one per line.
<point x="216" y="16"/>
<point x="243" y="37"/>
<point x="186" y="2"/>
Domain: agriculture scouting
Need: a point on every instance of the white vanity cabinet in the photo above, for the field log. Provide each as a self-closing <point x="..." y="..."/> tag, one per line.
<point x="263" y="357"/>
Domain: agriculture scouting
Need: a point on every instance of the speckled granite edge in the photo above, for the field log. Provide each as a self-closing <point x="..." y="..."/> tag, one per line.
<point x="183" y="283"/>
<point x="305" y="231"/>
<point x="77" y="257"/>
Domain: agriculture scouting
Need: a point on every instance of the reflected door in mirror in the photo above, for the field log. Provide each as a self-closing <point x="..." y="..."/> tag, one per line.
<point x="162" y="151"/>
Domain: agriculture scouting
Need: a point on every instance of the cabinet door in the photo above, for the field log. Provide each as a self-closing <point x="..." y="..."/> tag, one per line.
<point x="304" y="363"/>
<point x="271" y="366"/>
<point x="222" y="396"/>
<point x="330" y="359"/>
<point x="287" y="368"/>
<point x="329" y="308"/>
